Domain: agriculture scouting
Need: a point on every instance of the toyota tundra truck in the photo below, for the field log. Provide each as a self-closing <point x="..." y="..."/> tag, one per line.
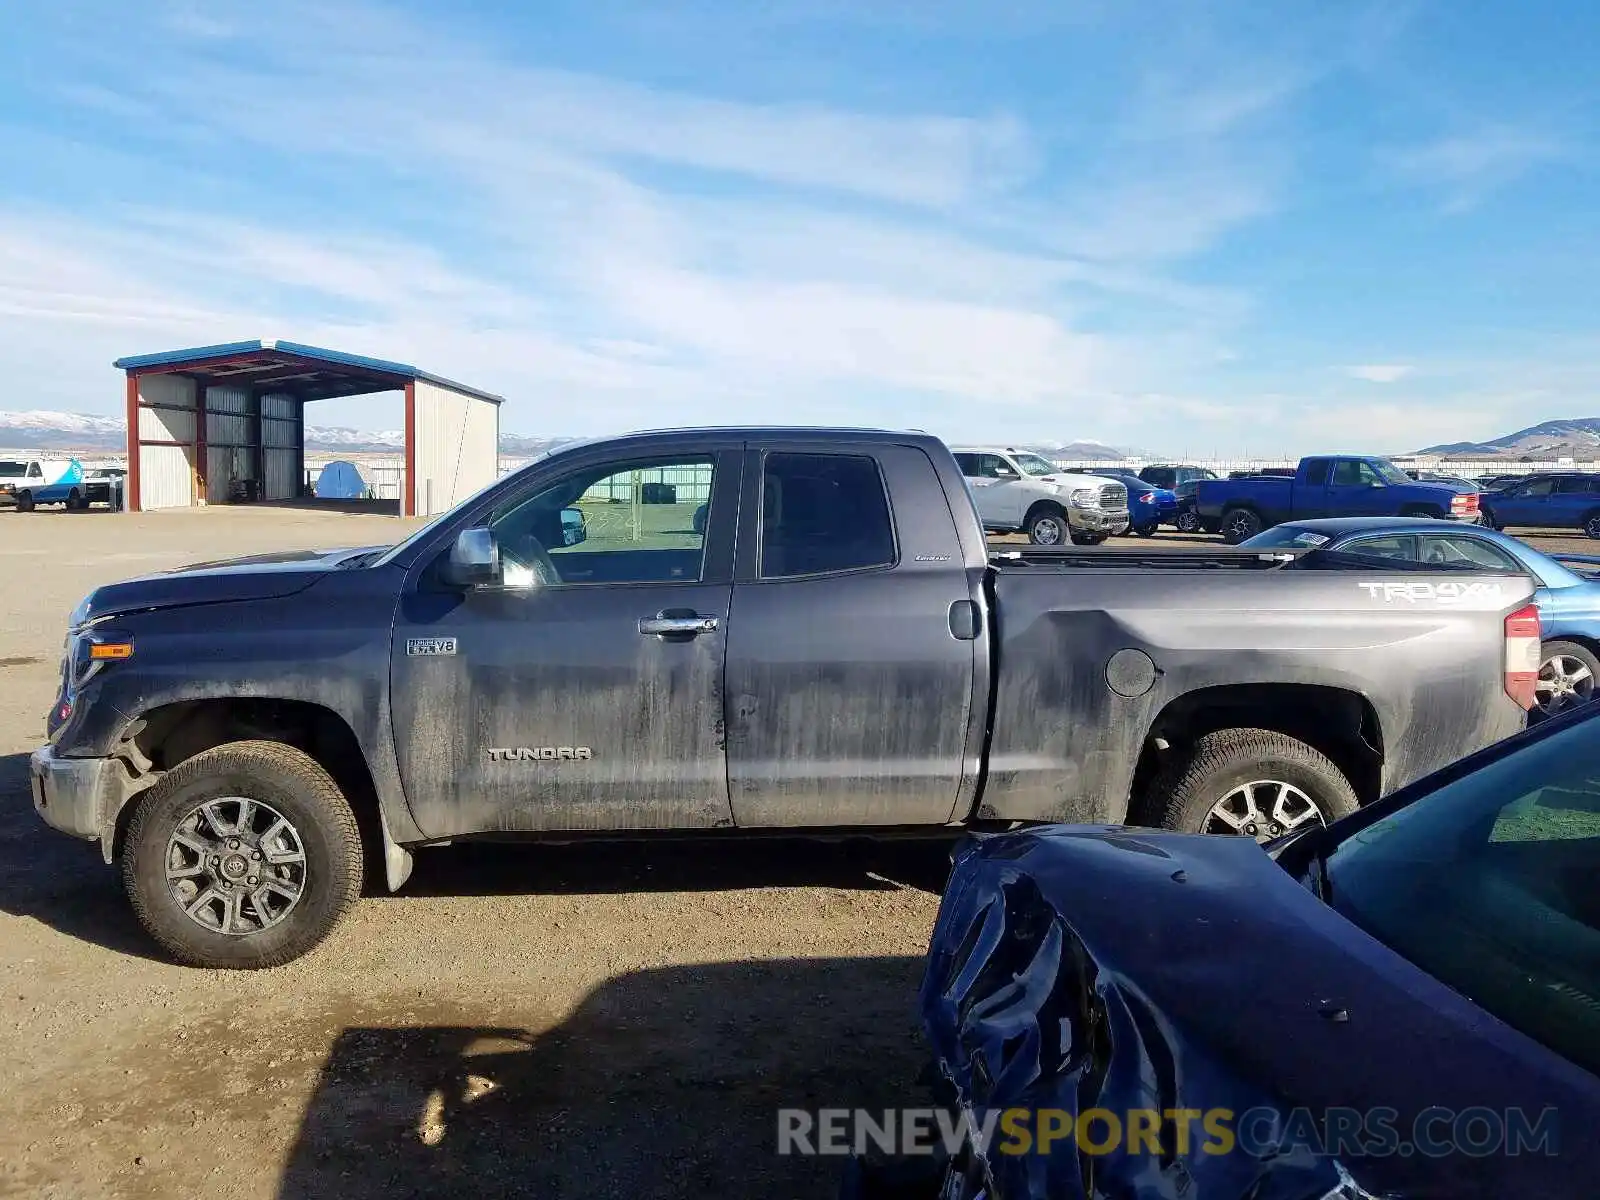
<point x="833" y="653"/>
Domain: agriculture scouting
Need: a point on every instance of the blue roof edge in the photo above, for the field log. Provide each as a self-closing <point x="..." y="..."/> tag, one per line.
<point x="173" y="358"/>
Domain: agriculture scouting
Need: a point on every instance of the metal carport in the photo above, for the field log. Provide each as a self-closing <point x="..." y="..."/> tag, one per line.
<point x="203" y="420"/>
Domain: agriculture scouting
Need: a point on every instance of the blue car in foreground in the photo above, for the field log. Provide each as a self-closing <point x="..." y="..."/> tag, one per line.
<point x="1405" y="1003"/>
<point x="1568" y="592"/>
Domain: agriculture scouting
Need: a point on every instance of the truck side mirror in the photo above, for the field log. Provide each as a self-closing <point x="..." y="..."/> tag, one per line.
<point x="474" y="559"/>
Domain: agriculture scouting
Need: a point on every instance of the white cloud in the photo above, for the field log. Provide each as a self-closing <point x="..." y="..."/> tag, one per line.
<point x="1468" y="166"/>
<point x="609" y="254"/>
<point x="1379" y="372"/>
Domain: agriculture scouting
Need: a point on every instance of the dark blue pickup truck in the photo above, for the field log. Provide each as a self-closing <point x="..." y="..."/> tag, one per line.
<point x="1326" y="486"/>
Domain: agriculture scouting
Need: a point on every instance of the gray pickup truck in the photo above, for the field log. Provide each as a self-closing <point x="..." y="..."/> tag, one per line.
<point x="834" y="651"/>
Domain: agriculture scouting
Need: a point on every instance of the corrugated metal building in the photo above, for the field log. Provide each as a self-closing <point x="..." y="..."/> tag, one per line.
<point x="217" y="424"/>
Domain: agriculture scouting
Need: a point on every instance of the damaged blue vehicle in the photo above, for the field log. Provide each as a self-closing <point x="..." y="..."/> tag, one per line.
<point x="1402" y="1004"/>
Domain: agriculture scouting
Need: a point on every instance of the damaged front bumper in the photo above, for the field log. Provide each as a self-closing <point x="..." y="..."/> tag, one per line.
<point x="80" y="797"/>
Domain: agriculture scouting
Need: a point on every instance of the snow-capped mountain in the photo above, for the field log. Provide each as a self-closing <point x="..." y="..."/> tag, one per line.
<point x="43" y="431"/>
<point x="1576" y="438"/>
<point x="49" y="432"/>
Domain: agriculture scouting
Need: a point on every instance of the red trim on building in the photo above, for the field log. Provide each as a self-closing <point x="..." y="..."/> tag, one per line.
<point x="408" y="503"/>
<point x="199" y="493"/>
<point x="132" y="498"/>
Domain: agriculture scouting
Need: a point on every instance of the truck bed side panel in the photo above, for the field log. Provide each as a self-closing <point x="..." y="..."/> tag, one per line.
<point x="1065" y="744"/>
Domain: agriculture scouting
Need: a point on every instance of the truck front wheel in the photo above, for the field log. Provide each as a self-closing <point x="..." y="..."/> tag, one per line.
<point x="1239" y="524"/>
<point x="1046" y="525"/>
<point x="246" y="855"/>
<point x="1252" y="783"/>
<point x="24" y="501"/>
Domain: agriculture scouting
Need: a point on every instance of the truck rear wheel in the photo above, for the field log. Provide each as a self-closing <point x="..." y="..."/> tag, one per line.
<point x="1239" y="524"/>
<point x="1253" y="783"/>
<point x="244" y="856"/>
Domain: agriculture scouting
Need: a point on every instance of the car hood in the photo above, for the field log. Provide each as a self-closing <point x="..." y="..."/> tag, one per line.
<point x="1077" y="968"/>
<point x="252" y="577"/>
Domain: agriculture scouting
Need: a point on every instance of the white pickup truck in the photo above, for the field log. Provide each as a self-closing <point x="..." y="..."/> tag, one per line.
<point x="1018" y="491"/>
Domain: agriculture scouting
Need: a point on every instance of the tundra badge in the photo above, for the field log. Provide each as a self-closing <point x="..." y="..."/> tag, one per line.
<point x="540" y="754"/>
<point x="430" y="645"/>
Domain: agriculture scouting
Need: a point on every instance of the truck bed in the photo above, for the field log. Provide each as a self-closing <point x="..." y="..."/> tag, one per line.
<point x="1096" y="649"/>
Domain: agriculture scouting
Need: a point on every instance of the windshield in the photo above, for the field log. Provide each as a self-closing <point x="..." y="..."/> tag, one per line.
<point x="11" y="468"/>
<point x="1487" y="884"/>
<point x="1032" y="464"/>
<point x="1388" y="472"/>
<point x="1285" y="537"/>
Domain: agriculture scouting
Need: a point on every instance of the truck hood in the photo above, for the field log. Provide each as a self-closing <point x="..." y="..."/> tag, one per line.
<point x="1077" y="967"/>
<point x="252" y="577"/>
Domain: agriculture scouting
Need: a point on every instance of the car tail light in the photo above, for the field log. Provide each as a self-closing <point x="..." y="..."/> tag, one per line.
<point x="1461" y="504"/>
<point x="1522" y="655"/>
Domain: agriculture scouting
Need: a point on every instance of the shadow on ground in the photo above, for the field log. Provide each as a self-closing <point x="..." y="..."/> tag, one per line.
<point x="59" y="880"/>
<point x="712" y="864"/>
<point x="663" y="1083"/>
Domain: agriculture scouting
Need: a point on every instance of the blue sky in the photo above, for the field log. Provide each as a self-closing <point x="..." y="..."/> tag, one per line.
<point x="1182" y="227"/>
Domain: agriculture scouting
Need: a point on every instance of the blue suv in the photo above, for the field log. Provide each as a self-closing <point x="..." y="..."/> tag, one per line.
<point x="1549" y="501"/>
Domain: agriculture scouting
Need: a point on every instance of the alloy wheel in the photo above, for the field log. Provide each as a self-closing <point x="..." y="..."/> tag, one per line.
<point x="236" y="866"/>
<point x="1263" y="809"/>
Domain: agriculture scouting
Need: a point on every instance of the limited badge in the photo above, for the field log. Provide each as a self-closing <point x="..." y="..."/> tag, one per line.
<point x="416" y="646"/>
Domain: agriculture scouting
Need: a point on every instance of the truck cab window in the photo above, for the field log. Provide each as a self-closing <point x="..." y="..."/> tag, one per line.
<point x="609" y="524"/>
<point x="1352" y="472"/>
<point x="823" y="513"/>
<point x="1317" y="472"/>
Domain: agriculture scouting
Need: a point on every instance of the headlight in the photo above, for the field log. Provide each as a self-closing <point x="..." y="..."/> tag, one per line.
<point x="1086" y="498"/>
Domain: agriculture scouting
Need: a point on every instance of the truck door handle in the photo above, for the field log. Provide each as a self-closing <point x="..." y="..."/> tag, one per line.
<point x="677" y="624"/>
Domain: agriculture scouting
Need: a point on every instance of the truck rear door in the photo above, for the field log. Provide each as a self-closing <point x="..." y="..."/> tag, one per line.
<point x="851" y="659"/>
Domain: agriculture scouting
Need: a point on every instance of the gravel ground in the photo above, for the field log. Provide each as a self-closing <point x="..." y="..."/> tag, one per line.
<point x="552" y="1022"/>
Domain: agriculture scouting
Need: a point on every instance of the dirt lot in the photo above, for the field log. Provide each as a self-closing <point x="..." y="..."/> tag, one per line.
<point x="558" y="1022"/>
<point x="517" y="1022"/>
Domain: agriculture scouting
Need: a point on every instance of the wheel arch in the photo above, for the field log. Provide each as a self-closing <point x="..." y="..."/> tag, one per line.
<point x="1340" y="723"/>
<point x="1041" y="506"/>
<point x="170" y="734"/>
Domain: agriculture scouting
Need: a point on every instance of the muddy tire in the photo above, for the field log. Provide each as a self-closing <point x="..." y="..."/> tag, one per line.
<point x="1252" y="782"/>
<point x="245" y="856"/>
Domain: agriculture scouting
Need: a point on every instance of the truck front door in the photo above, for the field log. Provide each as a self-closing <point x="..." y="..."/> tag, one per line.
<point x="850" y="666"/>
<point x="584" y="690"/>
<point x="1356" y="490"/>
